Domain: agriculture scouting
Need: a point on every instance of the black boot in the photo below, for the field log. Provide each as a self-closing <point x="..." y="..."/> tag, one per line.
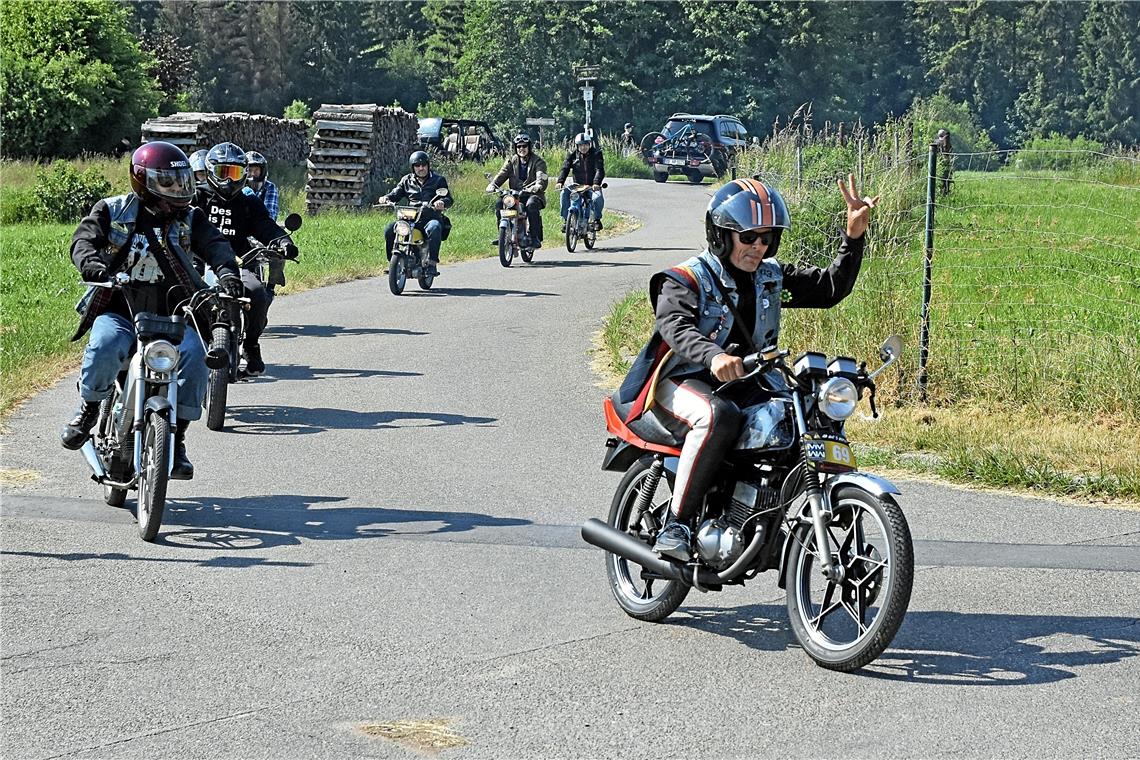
<point x="183" y="469"/>
<point x="76" y="432"/>
<point x="254" y="364"/>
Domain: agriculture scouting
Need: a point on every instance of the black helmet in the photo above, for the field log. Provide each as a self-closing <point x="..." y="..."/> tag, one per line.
<point x="629" y="125"/>
<point x="419" y="157"/>
<point x="252" y="159"/>
<point x="161" y="178"/>
<point x="522" y="139"/>
<point x="744" y="204"/>
<point x="583" y="138"/>
<point x="225" y="169"/>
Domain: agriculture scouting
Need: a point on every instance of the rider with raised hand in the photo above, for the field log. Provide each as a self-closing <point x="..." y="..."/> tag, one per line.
<point x="716" y="308"/>
<point x="589" y="167"/>
<point x="524" y="170"/>
<point x="422" y="185"/>
<point x="257" y="171"/>
<point x="241" y="217"/>
<point x="152" y="234"/>
<point x="198" y="166"/>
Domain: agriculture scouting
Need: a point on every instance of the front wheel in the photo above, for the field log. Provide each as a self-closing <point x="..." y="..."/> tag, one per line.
<point x="846" y="624"/>
<point x="652" y="599"/>
<point x="506" y="248"/>
<point x="217" y="388"/>
<point x="154" y="476"/>
<point x="572" y="231"/>
<point x="397" y="274"/>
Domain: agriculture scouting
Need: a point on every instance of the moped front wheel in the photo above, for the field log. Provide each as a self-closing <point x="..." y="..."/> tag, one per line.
<point x="572" y="231"/>
<point x="154" y="476"/>
<point x="844" y="624"/>
<point x="506" y="248"/>
<point x="397" y="275"/>
<point x="217" y="387"/>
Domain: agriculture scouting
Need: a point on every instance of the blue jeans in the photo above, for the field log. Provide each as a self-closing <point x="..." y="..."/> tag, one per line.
<point x="598" y="202"/>
<point x="112" y="340"/>
<point x="433" y="231"/>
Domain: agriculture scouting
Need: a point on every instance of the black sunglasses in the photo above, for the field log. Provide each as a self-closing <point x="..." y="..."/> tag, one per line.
<point x="748" y="237"/>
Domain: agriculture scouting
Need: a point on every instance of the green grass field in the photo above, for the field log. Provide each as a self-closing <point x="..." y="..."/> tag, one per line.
<point x="39" y="286"/>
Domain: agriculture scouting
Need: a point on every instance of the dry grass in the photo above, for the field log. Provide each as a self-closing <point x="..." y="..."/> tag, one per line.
<point x="430" y="736"/>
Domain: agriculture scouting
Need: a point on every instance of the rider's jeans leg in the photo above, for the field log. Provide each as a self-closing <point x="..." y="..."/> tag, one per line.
<point x="389" y="239"/>
<point x="599" y="204"/>
<point x="108" y="346"/>
<point x="192" y="376"/>
<point x="713" y="423"/>
<point x="259" y="299"/>
<point x="433" y="231"/>
<point x="565" y="201"/>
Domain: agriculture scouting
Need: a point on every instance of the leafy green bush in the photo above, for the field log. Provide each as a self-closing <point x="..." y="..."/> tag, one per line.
<point x="64" y="194"/>
<point x="298" y="110"/>
<point x="19" y="205"/>
<point x="1058" y="152"/>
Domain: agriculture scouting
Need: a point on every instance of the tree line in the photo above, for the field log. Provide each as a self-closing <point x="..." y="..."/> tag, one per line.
<point x="81" y="74"/>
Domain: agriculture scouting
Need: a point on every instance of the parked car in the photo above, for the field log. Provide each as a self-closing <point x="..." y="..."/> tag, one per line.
<point x="458" y="138"/>
<point x="695" y="145"/>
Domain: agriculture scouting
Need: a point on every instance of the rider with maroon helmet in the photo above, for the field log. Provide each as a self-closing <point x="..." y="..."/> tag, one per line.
<point x="151" y="234"/>
<point x="711" y="311"/>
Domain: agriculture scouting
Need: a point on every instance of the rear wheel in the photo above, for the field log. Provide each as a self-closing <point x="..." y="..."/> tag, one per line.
<point x="397" y="274"/>
<point x="655" y="599"/>
<point x="649" y="142"/>
<point x="154" y="476"/>
<point x="506" y="248"/>
<point x="695" y="177"/>
<point x="572" y="231"/>
<point x="426" y="281"/>
<point x="846" y="624"/>
<point x="217" y="388"/>
<point x="660" y="176"/>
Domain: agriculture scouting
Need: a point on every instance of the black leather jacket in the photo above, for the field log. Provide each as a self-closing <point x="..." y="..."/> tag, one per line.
<point x="589" y="169"/>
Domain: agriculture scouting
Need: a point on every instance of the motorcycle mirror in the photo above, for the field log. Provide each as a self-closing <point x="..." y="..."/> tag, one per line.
<point x="891" y="349"/>
<point x="442" y="192"/>
<point x="293" y="222"/>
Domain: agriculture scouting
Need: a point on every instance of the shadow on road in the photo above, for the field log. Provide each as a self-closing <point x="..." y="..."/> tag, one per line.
<point x="632" y="248"/>
<point x="583" y="263"/>
<point x="297" y="420"/>
<point x="476" y="292"/>
<point x="231" y="562"/>
<point x="284" y="332"/>
<point x="276" y="372"/>
<point x="282" y="520"/>
<point x="953" y="648"/>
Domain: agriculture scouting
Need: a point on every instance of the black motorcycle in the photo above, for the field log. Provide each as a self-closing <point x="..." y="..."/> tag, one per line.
<point x="227" y="329"/>
<point x="788" y="498"/>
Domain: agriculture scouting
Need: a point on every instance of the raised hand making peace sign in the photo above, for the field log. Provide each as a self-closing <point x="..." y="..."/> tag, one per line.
<point x="858" y="209"/>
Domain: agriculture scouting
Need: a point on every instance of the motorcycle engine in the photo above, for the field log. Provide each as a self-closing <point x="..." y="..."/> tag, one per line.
<point x="718" y="543"/>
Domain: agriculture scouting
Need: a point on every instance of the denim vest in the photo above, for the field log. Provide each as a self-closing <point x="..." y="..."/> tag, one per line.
<point x="714" y="319"/>
<point x="125" y="212"/>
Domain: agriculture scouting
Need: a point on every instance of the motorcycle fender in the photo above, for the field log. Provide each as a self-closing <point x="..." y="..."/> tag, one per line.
<point x="504" y="224"/>
<point x="620" y="455"/>
<point x="158" y="404"/>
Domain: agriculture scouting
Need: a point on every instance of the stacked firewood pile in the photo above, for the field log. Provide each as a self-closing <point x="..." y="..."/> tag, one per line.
<point x="357" y="151"/>
<point x="284" y="140"/>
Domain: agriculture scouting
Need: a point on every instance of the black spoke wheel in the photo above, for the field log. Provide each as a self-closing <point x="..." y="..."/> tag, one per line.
<point x="845" y="624"/>
<point x="572" y="231"/>
<point x="397" y="274"/>
<point x="649" y="599"/>
<point x="217" y="387"/>
<point x="506" y="248"/>
<point x="154" y="476"/>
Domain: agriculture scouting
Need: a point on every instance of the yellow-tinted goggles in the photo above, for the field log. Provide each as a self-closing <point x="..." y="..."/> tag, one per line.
<point x="235" y="172"/>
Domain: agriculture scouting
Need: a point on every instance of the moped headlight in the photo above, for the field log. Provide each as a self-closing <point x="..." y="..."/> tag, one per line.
<point x="160" y="356"/>
<point x="575" y="195"/>
<point x="508" y="201"/>
<point x="838" y="398"/>
<point x="403" y="228"/>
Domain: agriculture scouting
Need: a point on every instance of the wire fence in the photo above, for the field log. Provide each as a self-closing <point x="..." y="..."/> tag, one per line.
<point x="1013" y="277"/>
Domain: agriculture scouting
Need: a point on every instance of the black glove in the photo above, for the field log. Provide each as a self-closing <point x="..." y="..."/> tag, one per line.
<point x="291" y="251"/>
<point x="94" y="271"/>
<point x="232" y="285"/>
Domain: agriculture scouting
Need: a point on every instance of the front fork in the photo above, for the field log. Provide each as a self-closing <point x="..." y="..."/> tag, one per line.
<point x="821" y="513"/>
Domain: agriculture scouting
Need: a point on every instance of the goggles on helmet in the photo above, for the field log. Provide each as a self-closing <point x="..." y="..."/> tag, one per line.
<point x="235" y="172"/>
<point x="172" y="184"/>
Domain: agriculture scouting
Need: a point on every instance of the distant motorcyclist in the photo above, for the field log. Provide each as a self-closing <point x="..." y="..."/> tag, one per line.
<point x="241" y="217"/>
<point x="257" y="172"/>
<point x="422" y="185"/>
<point x="589" y="167"/>
<point x="524" y="170"/>
<point x="151" y="234"/>
<point x="198" y="166"/>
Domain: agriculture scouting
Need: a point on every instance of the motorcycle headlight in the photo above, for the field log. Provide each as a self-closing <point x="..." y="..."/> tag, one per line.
<point x="575" y="195"/>
<point x="837" y="398"/>
<point x="160" y="356"/>
<point x="508" y="201"/>
<point x="403" y="228"/>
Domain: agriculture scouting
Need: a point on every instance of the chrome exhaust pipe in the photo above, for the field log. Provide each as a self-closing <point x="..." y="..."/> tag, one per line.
<point x="597" y="533"/>
<point x="98" y="473"/>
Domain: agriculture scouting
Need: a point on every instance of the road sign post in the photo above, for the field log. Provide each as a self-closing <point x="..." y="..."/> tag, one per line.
<point x="540" y="122"/>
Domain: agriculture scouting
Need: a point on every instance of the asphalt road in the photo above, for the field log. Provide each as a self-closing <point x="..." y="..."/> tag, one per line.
<point x="387" y="530"/>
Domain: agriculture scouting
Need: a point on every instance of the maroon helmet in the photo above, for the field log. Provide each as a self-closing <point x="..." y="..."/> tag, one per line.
<point x="162" y="179"/>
